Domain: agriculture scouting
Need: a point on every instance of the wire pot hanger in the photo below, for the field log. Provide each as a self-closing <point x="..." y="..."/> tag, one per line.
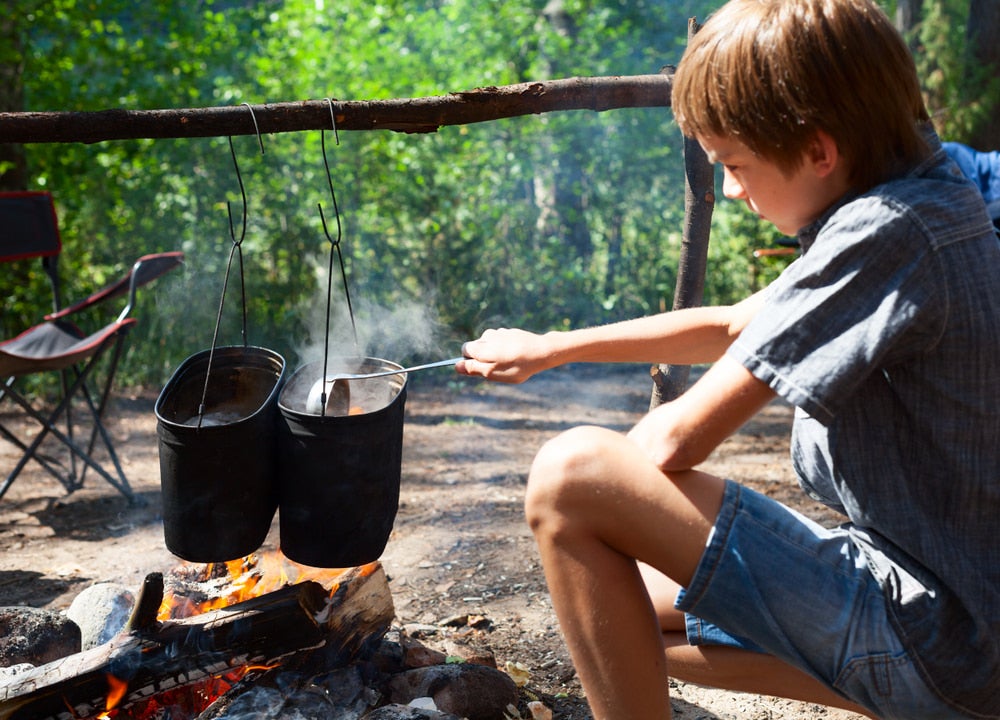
<point x="334" y="246"/>
<point x="235" y="251"/>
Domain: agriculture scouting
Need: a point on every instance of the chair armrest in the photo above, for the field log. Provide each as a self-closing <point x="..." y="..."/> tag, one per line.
<point x="146" y="269"/>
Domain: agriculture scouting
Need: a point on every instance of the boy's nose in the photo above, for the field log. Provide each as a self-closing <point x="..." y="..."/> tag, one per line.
<point x="731" y="187"/>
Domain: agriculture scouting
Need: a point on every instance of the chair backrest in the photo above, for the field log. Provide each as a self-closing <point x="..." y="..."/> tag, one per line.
<point x="145" y="270"/>
<point x="28" y="227"/>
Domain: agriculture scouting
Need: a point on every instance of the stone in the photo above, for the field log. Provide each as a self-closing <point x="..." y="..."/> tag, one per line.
<point x="476" y="692"/>
<point x="101" y="611"/>
<point x="35" y="636"/>
<point x="405" y="712"/>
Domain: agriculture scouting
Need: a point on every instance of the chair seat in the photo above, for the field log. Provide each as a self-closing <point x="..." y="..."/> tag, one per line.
<point x="85" y="361"/>
<point x="53" y="346"/>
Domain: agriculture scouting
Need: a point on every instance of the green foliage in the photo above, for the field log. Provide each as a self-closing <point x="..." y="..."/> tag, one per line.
<point x="732" y="267"/>
<point x="959" y="91"/>
<point x="550" y="221"/>
<point x="544" y="222"/>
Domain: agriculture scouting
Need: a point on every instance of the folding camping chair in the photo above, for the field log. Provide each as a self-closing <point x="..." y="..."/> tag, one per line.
<point x="28" y="229"/>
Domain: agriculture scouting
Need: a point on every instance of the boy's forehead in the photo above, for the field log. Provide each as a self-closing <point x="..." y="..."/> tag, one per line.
<point x="721" y="149"/>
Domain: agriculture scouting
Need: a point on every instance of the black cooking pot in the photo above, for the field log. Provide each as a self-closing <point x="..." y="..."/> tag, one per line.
<point x="217" y="469"/>
<point x="338" y="477"/>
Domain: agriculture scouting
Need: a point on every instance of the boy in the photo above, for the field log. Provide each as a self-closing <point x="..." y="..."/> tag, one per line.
<point x="884" y="334"/>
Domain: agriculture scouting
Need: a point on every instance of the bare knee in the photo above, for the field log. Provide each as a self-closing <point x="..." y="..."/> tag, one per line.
<point x="563" y="475"/>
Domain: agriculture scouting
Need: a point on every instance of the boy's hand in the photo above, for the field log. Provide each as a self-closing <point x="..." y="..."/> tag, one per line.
<point x="505" y="355"/>
<point x="653" y="436"/>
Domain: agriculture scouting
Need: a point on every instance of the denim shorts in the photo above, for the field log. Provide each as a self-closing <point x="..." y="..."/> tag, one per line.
<point x="771" y="580"/>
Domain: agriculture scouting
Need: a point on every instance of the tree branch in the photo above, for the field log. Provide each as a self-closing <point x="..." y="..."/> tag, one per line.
<point x="413" y="115"/>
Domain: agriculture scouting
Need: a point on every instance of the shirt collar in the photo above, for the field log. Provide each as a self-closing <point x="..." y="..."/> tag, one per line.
<point x="807" y="235"/>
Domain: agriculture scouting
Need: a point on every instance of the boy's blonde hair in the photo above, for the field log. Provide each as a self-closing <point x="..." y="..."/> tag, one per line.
<point x="769" y="73"/>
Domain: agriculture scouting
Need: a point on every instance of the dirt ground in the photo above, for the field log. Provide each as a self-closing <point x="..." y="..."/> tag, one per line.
<point x="459" y="545"/>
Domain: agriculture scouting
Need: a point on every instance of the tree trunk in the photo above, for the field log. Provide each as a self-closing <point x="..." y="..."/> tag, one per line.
<point x="13" y="167"/>
<point x="983" y="33"/>
<point x="569" y="179"/>
<point x="908" y="13"/>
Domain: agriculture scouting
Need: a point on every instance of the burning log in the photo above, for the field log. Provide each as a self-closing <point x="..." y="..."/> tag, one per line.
<point x="157" y="657"/>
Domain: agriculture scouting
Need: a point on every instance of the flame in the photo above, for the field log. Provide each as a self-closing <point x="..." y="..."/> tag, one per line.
<point x="231" y="582"/>
<point x="249" y="577"/>
<point x="116" y="691"/>
<point x="183" y="702"/>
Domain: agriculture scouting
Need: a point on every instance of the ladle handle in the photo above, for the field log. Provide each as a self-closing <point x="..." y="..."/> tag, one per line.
<point x="381" y="373"/>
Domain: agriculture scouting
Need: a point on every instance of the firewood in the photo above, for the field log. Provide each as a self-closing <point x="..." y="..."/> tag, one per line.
<point x="147" y="604"/>
<point x="164" y="656"/>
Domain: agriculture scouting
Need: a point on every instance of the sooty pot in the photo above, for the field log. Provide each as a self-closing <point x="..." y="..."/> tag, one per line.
<point x="218" y="466"/>
<point x="338" y="478"/>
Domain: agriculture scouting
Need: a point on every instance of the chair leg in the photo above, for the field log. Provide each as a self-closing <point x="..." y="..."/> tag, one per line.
<point x="76" y="451"/>
<point x="31" y="451"/>
<point x="98" y="412"/>
<point x="64" y="381"/>
<point x="41" y="459"/>
<point x="120" y="483"/>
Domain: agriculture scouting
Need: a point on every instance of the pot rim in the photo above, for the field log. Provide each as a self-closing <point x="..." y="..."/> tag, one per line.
<point x="273" y="360"/>
<point x="368" y="363"/>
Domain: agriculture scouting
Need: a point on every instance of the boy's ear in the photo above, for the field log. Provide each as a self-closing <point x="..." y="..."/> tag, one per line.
<point x="823" y="154"/>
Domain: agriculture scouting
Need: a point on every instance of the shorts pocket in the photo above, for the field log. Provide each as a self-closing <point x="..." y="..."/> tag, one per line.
<point x="870" y="675"/>
<point x="889" y="685"/>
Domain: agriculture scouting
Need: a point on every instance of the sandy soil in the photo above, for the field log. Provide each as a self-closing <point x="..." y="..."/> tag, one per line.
<point x="459" y="544"/>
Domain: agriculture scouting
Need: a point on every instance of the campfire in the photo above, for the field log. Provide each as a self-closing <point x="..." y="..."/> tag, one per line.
<point x="258" y="638"/>
<point x="253" y="638"/>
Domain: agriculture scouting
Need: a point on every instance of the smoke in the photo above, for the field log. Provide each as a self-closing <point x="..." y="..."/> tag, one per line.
<point x="404" y="332"/>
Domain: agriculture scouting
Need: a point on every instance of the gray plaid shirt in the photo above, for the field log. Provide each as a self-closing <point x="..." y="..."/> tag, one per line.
<point x="885" y="335"/>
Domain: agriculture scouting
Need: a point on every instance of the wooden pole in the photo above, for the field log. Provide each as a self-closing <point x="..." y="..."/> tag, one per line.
<point x="412" y="115"/>
<point x="699" y="200"/>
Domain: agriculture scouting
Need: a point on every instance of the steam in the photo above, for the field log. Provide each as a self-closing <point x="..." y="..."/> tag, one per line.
<point x="402" y="333"/>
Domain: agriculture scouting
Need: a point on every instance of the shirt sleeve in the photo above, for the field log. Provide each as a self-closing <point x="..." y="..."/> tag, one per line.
<point x="859" y="299"/>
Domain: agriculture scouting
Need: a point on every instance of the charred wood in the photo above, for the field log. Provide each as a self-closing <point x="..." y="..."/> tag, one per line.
<point x="147" y="604"/>
<point x="163" y="656"/>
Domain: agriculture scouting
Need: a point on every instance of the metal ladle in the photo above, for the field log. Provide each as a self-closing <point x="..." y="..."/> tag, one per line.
<point x="338" y="392"/>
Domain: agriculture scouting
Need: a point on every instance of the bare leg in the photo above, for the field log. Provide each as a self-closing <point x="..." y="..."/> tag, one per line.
<point x="595" y="502"/>
<point x="730" y="668"/>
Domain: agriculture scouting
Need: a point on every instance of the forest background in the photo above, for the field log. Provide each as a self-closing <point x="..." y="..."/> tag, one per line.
<point x="549" y="221"/>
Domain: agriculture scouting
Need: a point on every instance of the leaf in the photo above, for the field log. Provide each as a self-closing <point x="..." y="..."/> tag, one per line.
<point x="518" y="673"/>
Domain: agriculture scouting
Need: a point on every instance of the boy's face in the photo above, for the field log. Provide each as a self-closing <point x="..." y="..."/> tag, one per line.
<point x="788" y="201"/>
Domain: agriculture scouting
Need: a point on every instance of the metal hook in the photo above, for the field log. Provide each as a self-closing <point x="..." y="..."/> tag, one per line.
<point x="329" y="181"/>
<point x="333" y="120"/>
<point x="329" y="178"/>
<point x="239" y="178"/>
<point x="256" y="127"/>
<point x="243" y="195"/>
<point x="236" y="251"/>
<point x="334" y="245"/>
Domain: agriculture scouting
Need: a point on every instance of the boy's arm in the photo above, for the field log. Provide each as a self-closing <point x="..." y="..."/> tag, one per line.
<point x="679" y="435"/>
<point x="682" y="337"/>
